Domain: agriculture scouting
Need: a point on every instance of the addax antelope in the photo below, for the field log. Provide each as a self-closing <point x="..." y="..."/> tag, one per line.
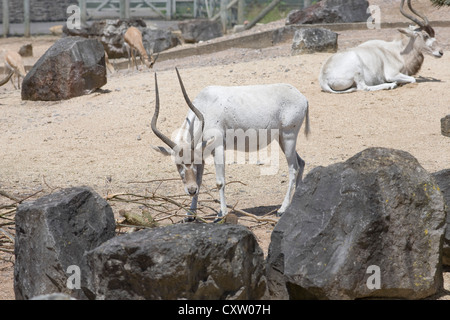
<point x="376" y="64"/>
<point x="133" y="42"/>
<point x="14" y="62"/>
<point x="219" y="114"/>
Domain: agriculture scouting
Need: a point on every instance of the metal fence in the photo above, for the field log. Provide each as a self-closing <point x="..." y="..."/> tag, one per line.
<point x="49" y="10"/>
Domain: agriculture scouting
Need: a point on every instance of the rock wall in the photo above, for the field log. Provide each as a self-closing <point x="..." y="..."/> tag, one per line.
<point x="40" y="10"/>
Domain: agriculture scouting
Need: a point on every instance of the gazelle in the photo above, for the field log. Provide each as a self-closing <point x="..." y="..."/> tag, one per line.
<point x="376" y="64"/>
<point x="133" y="42"/>
<point x="14" y="62"/>
<point x="215" y="117"/>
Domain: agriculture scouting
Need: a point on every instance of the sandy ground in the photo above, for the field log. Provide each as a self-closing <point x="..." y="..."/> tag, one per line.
<point x="102" y="140"/>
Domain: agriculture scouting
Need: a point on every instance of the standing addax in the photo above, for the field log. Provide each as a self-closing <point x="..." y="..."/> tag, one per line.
<point x="220" y="114"/>
<point x="377" y="64"/>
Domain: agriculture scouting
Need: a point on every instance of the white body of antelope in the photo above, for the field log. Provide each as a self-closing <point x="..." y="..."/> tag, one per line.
<point x="377" y="64"/>
<point x="218" y="111"/>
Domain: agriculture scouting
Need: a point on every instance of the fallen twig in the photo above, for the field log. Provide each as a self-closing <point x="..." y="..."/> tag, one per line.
<point x="7" y="250"/>
<point x="7" y="195"/>
<point x="259" y="219"/>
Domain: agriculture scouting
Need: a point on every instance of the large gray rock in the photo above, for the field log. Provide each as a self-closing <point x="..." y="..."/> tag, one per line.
<point x="445" y="125"/>
<point x="53" y="233"/>
<point x="310" y="40"/>
<point x="331" y="11"/>
<point x="110" y="33"/>
<point x="443" y="180"/>
<point x="186" y="261"/>
<point x="198" y="30"/>
<point x="71" y="67"/>
<point x="157" y="40"/>
<point x="377" y="216"/>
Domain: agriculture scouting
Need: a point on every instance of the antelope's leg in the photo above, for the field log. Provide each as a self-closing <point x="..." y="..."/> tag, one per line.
<point x="194" y="201"/>
<point x="219" y="163"/>
<point x="296" y="166"/>
<point x="402" y="78"/>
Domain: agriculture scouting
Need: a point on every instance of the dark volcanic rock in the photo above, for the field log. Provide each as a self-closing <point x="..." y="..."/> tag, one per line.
<point x="110" y="33"/>
<point x="197" y="30"/>
<point x="53" y="233"/>
<point x="379" y="211"/>
<point x="186" y="261"/>
<point x="331" y="11"/>
<point x="310" y="40"/>
<point x="443" y="180"/>
<point x="72" y="67"/>
<point x="445" y="125"/>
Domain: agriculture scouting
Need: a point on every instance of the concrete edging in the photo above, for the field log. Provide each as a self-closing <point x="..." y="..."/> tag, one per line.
<point x="274" y="36"/>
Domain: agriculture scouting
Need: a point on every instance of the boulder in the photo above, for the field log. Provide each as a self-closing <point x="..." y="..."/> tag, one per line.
<point x="184" y="261"/>
<point x="71" y="67"/>
<point x="26" y="50"/>
<point x="445" y="125"/>
<point x="110" y="33"/>
<point x="443" y="180"/>
<point x="52" y="234"/>
<point x="157" y="40"/>
<point x="331" y="11"/>
<point x="310" y="40"/>
<point x="198" y="30"/>
<point x="370" y="227"/>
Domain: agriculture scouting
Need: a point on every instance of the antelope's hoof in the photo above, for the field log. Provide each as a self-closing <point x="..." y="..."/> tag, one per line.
<point x="188" y="219"/>
<point x="219" y="220"/>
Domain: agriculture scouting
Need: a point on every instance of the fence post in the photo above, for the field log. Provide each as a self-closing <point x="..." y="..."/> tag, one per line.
<point x="223" y="15"/>
<point x="26" y="17"/>
<point x="83" y="11"/>
<point x="306" y="3"/>
<point x="240" y="11"/>
<point x="124" y="9"/>
<point x="169" y="9"/>
<point x="5" y="18"/>
<point x="194" y="13"/>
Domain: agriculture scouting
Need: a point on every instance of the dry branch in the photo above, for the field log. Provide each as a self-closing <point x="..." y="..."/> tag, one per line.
<point x="167" y="207"/>
<point x="7" y="218"/>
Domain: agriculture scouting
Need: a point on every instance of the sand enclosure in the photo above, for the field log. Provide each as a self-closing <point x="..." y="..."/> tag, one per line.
<point x="103" y="139"/>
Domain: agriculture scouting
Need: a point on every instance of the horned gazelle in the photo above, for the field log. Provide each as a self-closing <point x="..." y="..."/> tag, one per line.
<point x="14" y="62"/>
<point x="217" y="113"/>
<point x="376" y="64"/>
<point x="133" y="42"/>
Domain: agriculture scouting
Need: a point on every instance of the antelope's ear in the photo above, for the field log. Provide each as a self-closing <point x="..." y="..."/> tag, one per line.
<point x="162" y="150"/>
<point x="409" y="32"/>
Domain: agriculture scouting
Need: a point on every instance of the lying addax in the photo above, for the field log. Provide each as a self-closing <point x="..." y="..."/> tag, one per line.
<point x="218" y="115"/>
<point x="376" y="64"/>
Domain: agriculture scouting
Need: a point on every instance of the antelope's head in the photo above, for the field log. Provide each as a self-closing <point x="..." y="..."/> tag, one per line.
<point x="150" y="61"/>
<point x="188" y="153"/>
<point x="423" y="35"/>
